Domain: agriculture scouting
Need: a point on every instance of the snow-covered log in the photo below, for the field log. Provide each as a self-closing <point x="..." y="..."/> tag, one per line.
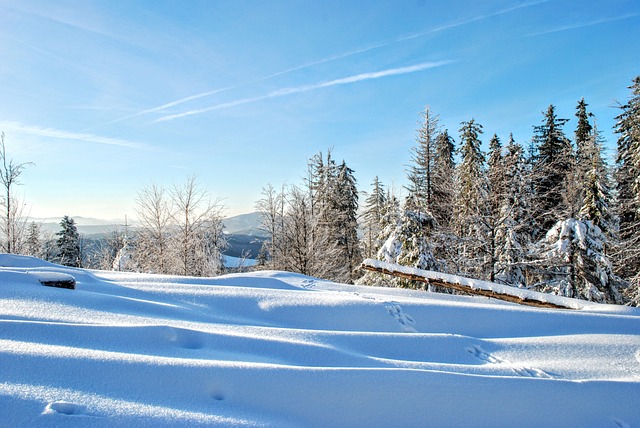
<point x="473" y="286"/>
<point x="55" y="279"/>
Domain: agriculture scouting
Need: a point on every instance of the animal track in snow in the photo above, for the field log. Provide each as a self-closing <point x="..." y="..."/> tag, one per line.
<point x="308" y="283"/>
<point x="405" y="320"/>
<point x="483" y="355"/>
<point x="184" y="338"/>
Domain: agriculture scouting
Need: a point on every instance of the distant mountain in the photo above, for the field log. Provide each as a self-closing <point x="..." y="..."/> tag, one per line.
<point x="243" y="224"/>
<point x="243" y="231"/>
<point x="85" y="225"/>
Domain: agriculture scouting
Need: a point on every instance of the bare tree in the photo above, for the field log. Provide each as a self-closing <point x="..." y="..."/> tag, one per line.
<point x="152" y="252"/>
<point x="271" y="209"/>
<point x="12" y="226"/>
<point x="199" y="236"/>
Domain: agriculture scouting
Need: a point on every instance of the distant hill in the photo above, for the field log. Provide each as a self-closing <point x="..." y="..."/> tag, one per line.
<point x="243" y="233"/>
<point x="85" y="225"/>
<point x="244" y="224"/>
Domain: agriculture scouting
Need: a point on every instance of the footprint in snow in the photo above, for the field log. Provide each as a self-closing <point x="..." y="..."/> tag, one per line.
<point x="183" y="338"/>
<point x="308" y="283"/>
<point x="483" y="355"/>
<point x="405" y="320"/>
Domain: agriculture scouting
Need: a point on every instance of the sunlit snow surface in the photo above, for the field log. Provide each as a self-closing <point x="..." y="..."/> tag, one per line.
<point x="280" y="349"/>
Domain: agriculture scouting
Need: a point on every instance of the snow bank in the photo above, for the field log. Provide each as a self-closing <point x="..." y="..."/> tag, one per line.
<point x="280" y="349"/>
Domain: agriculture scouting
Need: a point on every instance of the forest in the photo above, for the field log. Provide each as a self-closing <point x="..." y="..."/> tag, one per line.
<point x="550" y="215"/>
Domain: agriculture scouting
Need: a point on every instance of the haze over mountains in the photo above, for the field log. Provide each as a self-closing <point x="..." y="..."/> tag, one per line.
<point x="244" y="224"/>
<point x="243" y="231"/>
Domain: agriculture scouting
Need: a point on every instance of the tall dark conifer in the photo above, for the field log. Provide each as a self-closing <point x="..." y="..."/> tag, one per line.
<point x="443" y="181"/>
<point x="421" y="171"/>
<point x="583" y="130"/>
<point x="69" y="243"/>
<point x="553" y="167"/>
<point x="471" y="206"/>
<point x="628" y="189"/>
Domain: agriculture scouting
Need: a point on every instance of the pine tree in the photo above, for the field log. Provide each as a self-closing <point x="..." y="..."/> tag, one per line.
<point x="408" y="244"/>
<point x="583" y="131"/>
<point x="69" y="243"/>
<point x="444" y="181"/>
<point x="372" y="216"/>
<point x="471" y="204"/>
<point x="553" y="165"/>
<point x="420" y="173"/>
<point x="596" y="192"/>
<point x="573" y="263"/>
<point x="33" y="244"/>
<point x="345" y="225"/>
<point x="494" y="219"/>
<point x="628" y="190"/>
<point x="513" y="231"/>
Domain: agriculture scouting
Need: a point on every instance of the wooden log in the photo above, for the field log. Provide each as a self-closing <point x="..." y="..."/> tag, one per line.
<point x="55" y="279"/>
<point x="500" y="292"/>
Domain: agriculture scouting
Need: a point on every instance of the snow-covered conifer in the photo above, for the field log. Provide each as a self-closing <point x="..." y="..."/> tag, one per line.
<point x="513" y="229"/>
<point x="69" y="243"/>
<point x="374" y="206"/>
<point x="420" y="173"/>
<point x="573" y="263"/>
<point x="553" y="169"/>
<point x="628" y="188"/>
<point x="471" y="206"/>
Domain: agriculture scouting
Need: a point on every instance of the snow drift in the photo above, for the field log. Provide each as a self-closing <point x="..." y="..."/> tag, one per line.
<point x="280" y="349"/>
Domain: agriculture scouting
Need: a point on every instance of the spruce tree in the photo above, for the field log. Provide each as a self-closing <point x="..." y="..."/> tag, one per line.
<point x="493" y="219"/>
<point x="443" y="181"/>
<point x="596" y="195"/>
<point x="628" y="190"/>
<point x="495" y="175"/>
<point x="574" y="264"/>
<point x="553" y="166"/>
<point x="33" y="244"/>
<point x="420" y="173"/>
<point x="583" y="130"/>
<point x="344" y="227"/>
<point x="374" y="206"/>
<point x="513" y="231"/>
<point x="471" y="204"/>
<point x="69" y="243"/>
<point x="408" y="244"/>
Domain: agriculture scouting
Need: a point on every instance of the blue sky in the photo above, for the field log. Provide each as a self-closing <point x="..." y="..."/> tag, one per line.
<point x="106" y="97"/>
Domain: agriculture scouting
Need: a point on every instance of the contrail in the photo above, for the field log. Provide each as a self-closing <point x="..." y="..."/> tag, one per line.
<point x="311" y="87"/>
<point x="313" y="63"/>
<point x="66" y="135"/>
<point x="585" y="24"/>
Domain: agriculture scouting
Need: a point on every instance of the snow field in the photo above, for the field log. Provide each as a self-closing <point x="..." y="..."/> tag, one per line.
<point x="281" y="349"/>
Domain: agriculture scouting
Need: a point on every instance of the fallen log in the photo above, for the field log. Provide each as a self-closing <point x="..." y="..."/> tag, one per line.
<point x="472" y="286"/>
<point x="55" y="279"/>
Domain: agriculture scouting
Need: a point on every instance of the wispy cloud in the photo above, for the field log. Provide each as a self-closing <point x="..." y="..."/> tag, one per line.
<point x="305" y="88"/>
<point x="312" y="64"/>
<point x="585" y="24"/>
<point x="76" y="136"/>
<point x="461" y="23"/>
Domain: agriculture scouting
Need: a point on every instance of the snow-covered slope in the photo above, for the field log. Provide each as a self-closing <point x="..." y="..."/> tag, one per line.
<point x="281" y="349"/>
